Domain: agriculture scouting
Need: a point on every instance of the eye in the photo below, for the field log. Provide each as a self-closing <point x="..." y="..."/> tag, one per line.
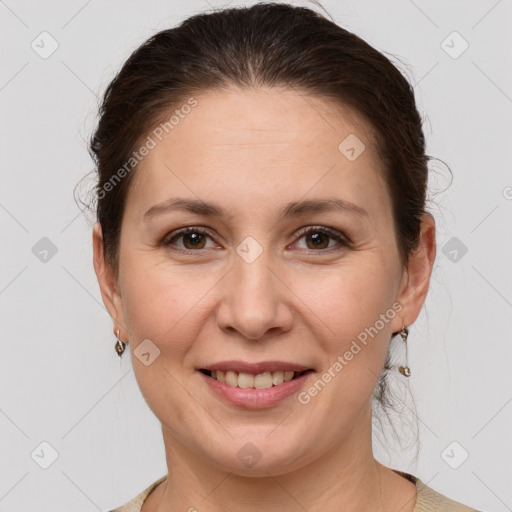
<point x="194" y="238"/>
<point x="319" y="236"/>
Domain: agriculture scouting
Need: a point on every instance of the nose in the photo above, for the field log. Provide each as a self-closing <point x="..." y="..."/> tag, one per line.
<point x="255" y="299"/>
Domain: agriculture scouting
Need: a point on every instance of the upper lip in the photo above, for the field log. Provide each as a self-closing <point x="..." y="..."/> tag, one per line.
<point x="255" y="368"/>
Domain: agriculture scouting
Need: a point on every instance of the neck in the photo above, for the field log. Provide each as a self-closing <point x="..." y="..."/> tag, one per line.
<point x="346" y="477"/>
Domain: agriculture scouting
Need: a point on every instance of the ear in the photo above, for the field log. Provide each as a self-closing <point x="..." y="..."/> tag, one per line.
<point x="416" y="277"/>
<point x="107" y="282"/>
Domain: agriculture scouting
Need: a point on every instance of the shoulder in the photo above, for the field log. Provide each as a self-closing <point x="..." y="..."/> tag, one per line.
<point x="135" y="504"/>
<point x="429" y="500"/>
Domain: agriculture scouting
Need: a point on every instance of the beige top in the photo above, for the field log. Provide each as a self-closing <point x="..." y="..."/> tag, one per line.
<point x="427" y="500"/>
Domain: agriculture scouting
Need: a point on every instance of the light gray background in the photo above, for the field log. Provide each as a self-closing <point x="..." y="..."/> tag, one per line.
<point x="60" y="379"/>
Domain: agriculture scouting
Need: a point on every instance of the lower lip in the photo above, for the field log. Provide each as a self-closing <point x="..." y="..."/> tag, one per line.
<point x="252" y="398"/>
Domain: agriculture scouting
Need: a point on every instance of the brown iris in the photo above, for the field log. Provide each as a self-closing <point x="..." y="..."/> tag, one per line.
<point x="196" y="238"/>
<point x="316" y="237"/>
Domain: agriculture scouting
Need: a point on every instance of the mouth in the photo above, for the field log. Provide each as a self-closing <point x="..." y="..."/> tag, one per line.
<point x="244" y="380"/>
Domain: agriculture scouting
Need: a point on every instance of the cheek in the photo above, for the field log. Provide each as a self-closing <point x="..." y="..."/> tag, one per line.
<point x="163" y="303"/>
<point x="348" y="306"/>
<point x="348" y="299"/>
<point x="163" y="306"/>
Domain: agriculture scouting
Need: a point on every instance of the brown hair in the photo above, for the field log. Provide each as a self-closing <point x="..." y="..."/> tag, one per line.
<point x="267" y="45"/>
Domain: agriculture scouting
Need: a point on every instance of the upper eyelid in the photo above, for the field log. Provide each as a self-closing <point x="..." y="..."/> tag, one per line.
<point x="326" y="229"/>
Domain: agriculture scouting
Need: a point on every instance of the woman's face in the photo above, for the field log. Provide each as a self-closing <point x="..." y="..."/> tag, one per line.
<point x="253" y="286"/>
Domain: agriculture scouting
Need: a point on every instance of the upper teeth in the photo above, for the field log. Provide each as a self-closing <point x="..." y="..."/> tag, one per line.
<point x="246" y="380"/>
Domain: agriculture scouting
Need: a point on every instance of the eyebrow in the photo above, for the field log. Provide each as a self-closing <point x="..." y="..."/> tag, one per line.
<point x="292" y="209"/>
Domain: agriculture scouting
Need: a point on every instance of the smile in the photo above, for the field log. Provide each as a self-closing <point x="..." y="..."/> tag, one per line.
<point x="254" y="390"/>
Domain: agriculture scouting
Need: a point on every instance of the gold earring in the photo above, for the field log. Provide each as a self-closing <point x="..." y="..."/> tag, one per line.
<point x="120" y="345"/>
<point x="405" y="370"/>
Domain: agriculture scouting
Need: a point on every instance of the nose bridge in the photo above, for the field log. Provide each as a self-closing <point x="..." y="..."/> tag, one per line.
<point x="252" y="303"/>
<point x="251" y="270"/>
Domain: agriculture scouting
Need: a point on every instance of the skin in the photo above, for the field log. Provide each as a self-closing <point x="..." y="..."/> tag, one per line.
<point x="252" y="151"/>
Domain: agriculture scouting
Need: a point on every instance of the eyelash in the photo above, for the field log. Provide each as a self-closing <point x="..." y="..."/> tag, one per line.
<point x="341" y="239"/>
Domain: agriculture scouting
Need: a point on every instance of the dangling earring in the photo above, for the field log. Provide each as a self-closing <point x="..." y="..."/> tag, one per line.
<point x="405" y="370"/>
<point x="120" y="345"/>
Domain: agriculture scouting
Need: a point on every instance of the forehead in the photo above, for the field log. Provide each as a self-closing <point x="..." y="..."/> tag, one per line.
<point x="240" y="145"/>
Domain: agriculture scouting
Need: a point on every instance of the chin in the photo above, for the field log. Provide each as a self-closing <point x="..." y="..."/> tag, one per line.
<point x="257" y="456"/>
